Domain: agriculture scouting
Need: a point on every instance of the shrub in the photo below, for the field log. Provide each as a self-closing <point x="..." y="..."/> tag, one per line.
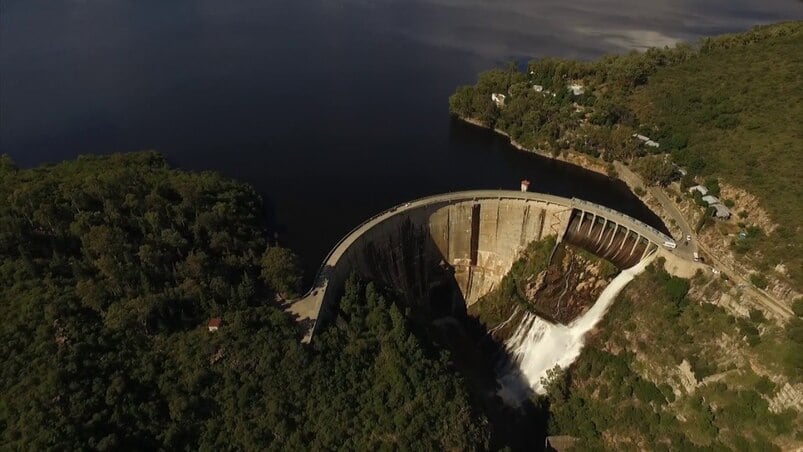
<point x="797" y="307"/>
<point x="765" y="386"/>
<point x="666" y="390"/>
<point x="702" y="368"/>
<point x="757" y="315"/>
<point x="677" y="288"/>
<point x="759" y="280"/>
<point x="712" y="184"/>
<point x="281" y="268"/>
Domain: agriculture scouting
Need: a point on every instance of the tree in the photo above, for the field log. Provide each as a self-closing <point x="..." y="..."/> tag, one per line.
<point x="111" y="267"/>
<point x="712" y="184"/>
<point x="656" y="169"/>
<point x="623" y="146"/>
<point x="797" y="307"/>
<point x="281" y="270"/>
<point x="460" y="103"/>
<point x="6" y="164"/>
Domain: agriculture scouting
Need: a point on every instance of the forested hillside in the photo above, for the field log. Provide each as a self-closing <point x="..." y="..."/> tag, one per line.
<point x="725" y="110"/>
<point x="669" y="369"/>
<point x="110" y="269"/>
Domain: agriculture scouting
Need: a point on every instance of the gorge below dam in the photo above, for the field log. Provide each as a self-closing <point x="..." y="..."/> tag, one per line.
<point x="443" y="254"/>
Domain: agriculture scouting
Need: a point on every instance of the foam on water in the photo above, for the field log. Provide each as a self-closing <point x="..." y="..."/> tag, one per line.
<point x="538" y="346"/>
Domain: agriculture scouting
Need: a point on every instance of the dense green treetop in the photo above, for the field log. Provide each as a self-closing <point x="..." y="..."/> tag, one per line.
<point x="727" y="107"/>
<point x="110" y="268"/>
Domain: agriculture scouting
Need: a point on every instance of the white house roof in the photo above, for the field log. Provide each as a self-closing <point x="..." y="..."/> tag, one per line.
<point x="711" y="200"/>
<point x="646" y="140"/>
<point x="703" y="191"/>
<point x="721" y="211"/>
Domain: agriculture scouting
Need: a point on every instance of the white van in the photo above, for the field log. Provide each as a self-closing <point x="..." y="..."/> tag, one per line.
<point x="670" y="244"/>
<point x="696" y="257"/>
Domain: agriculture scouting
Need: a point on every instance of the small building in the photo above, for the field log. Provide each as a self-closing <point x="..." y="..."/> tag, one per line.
<point x="538" y="88"/>
<point x="711" y="200"/>
<point x="525" y="185"/>
<point x="576" y="89"/>
<point x="499" y="99"/>
<point x="646" y="140"/>
<point x="721" y="212"/>
<point x="214" y="324"/>
<point x="699" y="188"/>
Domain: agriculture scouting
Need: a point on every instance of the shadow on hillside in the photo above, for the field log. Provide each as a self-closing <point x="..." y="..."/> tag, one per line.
<point x="406" y="262"/>
<point x="444" y="324"/>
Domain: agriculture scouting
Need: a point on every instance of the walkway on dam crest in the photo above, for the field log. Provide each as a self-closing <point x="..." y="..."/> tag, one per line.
<point x="310" y="305"/>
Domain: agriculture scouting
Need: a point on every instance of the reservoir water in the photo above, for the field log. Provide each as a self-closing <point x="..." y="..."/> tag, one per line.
<point x="332" y="109"/>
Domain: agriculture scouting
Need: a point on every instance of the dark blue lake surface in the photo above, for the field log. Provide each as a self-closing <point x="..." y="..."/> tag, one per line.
<point x="334" y="110"/>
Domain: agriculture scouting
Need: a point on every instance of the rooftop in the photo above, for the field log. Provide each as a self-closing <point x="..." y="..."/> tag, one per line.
<point x="711" y="200"/>
<point x="703" y="191"/>
<point x="721" y="211"/>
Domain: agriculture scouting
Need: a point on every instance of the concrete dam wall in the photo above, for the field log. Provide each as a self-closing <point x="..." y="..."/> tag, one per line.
<point x="473" y="242"/>
<point x="464" y="243"/>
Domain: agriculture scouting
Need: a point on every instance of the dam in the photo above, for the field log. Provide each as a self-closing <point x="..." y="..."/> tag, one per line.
<point x="464" y="243"/>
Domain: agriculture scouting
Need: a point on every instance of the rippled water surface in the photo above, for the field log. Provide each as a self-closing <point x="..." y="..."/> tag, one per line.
<point x="332" y="109"/>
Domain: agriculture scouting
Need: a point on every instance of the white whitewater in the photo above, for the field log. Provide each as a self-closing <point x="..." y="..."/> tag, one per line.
<point x="538" y="346"/>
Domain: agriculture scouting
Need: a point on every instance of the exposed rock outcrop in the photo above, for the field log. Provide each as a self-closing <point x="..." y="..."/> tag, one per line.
<point x="570" y="284"/>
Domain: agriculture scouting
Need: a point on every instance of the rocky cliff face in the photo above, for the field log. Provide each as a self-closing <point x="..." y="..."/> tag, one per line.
<point x="569" y="286"/>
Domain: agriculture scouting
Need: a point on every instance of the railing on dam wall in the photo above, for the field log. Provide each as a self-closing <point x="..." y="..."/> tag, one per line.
<point x="659" y="236"/>
<point x="320" y="273"/>
<point x="310" y="306"/>
<point x="319" y="280"/>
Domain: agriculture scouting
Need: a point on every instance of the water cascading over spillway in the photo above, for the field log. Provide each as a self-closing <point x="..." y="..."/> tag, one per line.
<point x="464" y="243"/>
<point x="538" y="346"/>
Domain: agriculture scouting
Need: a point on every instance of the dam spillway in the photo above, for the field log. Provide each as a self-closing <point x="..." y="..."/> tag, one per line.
<point x="465" y="242"/>
<point x="605" y="238"/>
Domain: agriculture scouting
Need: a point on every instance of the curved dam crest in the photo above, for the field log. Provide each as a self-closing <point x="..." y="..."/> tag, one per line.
<point x="466" y="242"/>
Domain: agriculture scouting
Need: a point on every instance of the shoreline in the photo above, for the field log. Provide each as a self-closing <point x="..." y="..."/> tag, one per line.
<point x="678" y="227"/>
<point x="622" y="173"/>
<point x="566" y="156"/>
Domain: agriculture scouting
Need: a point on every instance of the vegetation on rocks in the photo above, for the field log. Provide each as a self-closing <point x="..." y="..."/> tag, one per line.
<point x="501" y="303"/>
<point x="559" y="290"/>
<point x="668" y="371"/>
